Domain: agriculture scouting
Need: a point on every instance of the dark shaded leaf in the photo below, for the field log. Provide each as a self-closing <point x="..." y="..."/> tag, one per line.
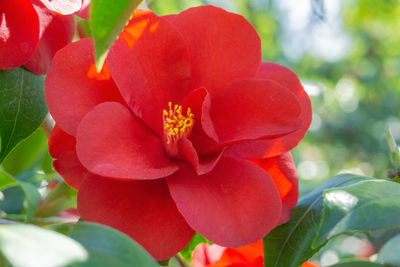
<point x="22" y="107"/>
<point x="109" y="247"/>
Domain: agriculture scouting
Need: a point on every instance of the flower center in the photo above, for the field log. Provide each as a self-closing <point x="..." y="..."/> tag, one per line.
<point x="176" y="126"/>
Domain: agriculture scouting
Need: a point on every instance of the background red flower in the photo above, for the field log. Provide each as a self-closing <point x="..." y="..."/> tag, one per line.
<point x="32" y="31"/>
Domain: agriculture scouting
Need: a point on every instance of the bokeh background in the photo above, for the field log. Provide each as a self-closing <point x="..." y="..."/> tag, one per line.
<point x="347" y="55"/>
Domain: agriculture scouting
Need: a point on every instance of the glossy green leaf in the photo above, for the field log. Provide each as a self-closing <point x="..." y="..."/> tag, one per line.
<point x="32" y="246"/>
<point x="357" y="263"/>
<point x="107" y="19"/>
<point x="362" y="207"/>
<point x="22" y="107"/>
<point x="289" y="245"/>
<point x="186" y="253"/>
<point x="389" y="253"/>
<point x="60" y="198"/>
<point x="109" y="247"/>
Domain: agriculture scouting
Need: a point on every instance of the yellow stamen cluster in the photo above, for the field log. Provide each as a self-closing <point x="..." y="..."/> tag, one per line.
<point x="177" y="125"/>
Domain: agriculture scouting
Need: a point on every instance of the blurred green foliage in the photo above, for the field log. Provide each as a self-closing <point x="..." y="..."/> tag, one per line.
<point x="354" y="86"/>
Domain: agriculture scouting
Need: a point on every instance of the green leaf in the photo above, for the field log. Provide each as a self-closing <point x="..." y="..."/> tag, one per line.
<point x="107" y="19"/>
<point x="389" y="253"/>
<point x="31" y="193"/>
<point x="6" y="180"/>
<point x="363" y="207"/>
<point x="22" y="107"/>
<point x="32" y="199"/>
<point x="109" y="247"/>
<point x="289" y="245"/>
<point x="59" y="199"/>
<point x="26" y="153"/>
<point x="357" y="263"/>
<point x="31" y="246"/>
<point x="188" y="250"/>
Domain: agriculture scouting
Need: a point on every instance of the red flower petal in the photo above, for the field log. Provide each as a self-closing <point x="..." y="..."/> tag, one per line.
<point x="235" y="204"/>
<point x="73" y="86"/>
<point x="19" y="32"/>
<point x="252" y="109"/>
<point x="203" y="133"/>
<point x="223" y="46"/>
<point x="269" y="148"/>
<point x="66" y="163"/>
<point x="113" y="142"/>
<point x="283" y="172"/>
<point x="150" y="64"/>
<point x="202" y="164"/>
<point x="64" y="7"/>
<point x="142" y="209"/>
<point x="84" y="11"/>
<point x="56" y="31"/>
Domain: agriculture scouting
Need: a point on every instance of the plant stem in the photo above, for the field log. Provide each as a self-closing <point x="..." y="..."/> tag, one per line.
<point x="180" y="261"/>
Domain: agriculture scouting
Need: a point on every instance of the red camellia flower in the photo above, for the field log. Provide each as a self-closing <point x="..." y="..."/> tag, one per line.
<point x="31" y="32"/>
<point x="158" y="143"/>
<point x="247" y="256"/>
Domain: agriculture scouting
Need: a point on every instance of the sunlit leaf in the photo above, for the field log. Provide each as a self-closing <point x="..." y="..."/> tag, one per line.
<point x="362" y="207"/>
<point x="289" y="245"/>
<point x="32" y="246"/>
<point x="188" y="250"/>
<point x="107" y="19"/>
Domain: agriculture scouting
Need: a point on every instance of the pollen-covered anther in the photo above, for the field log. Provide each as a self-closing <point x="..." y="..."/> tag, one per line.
<point x="176" y="124"/>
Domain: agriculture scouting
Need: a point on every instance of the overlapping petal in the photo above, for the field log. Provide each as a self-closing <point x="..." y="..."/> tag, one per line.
<point x="135" y="153"/>
<point x="73" y="87"/>
<point x="64" y="7"/>
<point x="201" y="163"/>
<point x="150" y="64"/>
<point x="252" y="109"/>
<point x="56" y="31"/>
<point x="283" y="172"/>
<point x="223" y="46"/>
<point x="84" y="11"/>
<point x="277" y="146"/>
<point x="203" y="134"/>
<point x="62" y="148"/>
<point x="235" y="204"/>
<point x="142" y="209"/>
<point x="19" y="32"/>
